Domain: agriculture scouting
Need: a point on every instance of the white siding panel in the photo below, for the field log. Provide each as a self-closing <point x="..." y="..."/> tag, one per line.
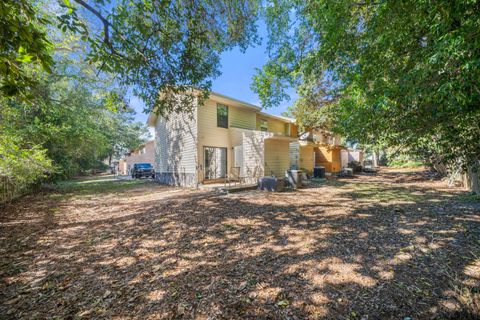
<point x="355" y="155"/>
<point x="176" y="144"/>
<point x="307" y="158"/>
<point x="294" y="154"/>
<point x="253" y="154"/>
<point x="238" y="159"/>
<point x="161" y="145"/>
<point x="344" y="158"/>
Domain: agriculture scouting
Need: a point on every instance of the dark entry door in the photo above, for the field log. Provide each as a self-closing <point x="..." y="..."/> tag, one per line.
<point x="215" y="162"/>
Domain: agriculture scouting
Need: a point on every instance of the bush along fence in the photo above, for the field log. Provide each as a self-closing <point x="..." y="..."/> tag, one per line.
<point x="10" y="189"/>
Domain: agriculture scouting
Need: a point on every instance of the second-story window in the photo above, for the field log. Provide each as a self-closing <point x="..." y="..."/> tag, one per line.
<point x="222" y="116"/>
<point x="263" y="125"/>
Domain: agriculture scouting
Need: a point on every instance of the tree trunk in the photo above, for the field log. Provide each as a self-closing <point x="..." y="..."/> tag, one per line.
<point x="110" y="160"/>
<point x="472" y="178"/>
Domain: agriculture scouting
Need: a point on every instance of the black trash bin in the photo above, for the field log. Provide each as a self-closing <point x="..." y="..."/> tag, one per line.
<point x="319" y="172"/>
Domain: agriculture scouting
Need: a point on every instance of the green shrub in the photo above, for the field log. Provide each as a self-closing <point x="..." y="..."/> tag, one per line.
<point x="405" y="161"/>
<point x="21" y="167"/>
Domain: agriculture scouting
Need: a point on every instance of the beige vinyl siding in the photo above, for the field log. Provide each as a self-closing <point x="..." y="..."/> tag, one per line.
<point x="175" y="143"/>
<point x="293" y="130"/>
<point x="274" y="125"/>
<point x="307" y="159"/>
<point x="276" y="157"/>
<point x="209" y="135"/>
<point x="259" y="120"/>
<point x="241" y="118"/>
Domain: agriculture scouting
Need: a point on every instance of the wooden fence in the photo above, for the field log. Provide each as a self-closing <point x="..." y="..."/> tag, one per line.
<point x="10" y="189"/>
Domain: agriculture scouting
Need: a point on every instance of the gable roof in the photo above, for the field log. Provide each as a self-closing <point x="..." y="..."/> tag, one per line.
<point x="152" y="117"/>
<point x="229" y="100"/>
<point x="282" y="118"/>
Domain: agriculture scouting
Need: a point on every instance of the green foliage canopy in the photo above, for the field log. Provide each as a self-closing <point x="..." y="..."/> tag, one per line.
<point x="167" y="46"/>
<point x="25" y="47"/>
<point x="402" y="72"/>
<point x="67" y="124"/>
<point x="67" y="119"/>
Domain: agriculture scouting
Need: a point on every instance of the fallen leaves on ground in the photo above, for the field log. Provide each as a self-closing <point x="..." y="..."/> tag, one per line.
<point x="394" y="245"/>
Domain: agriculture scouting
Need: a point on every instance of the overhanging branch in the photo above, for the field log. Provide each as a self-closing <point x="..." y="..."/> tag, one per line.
<point x="106" y="30"/>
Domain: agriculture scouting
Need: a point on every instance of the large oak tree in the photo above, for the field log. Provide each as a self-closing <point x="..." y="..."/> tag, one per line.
<point x="403" y="73"/>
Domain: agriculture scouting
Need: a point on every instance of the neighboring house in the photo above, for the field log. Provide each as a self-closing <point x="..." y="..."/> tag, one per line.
<point x="317" y="148"/>
<point x="144" y="154"/>
<point x="355" y="155"/>
<point x="111" y="162"/>
<point x="203" y="146"/>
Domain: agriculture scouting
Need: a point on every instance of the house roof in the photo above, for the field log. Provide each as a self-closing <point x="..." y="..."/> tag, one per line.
<point x="152" y="117"/>
<point x="228" y="99"/>
<point x="287" y="119"/>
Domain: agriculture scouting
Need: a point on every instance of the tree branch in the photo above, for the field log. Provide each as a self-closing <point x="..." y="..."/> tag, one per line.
<point x="368" y="3"/>
<point x="106" y="30"/>
<point x="106" y="23"/>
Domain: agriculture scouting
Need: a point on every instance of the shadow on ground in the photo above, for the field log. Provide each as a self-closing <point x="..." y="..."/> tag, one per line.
<point x="342" y="250"/>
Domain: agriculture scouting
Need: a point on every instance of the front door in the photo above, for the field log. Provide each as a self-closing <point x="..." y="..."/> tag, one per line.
<point x="215" y="162"/>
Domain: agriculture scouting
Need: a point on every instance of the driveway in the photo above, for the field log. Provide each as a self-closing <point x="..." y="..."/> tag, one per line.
<point x="390" y="246"/>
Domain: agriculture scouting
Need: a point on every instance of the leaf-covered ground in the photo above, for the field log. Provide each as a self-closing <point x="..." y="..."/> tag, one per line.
<point x="389" y="246"/>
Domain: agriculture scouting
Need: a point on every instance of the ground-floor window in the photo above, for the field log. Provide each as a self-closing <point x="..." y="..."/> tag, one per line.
<point x="215" y="162"/>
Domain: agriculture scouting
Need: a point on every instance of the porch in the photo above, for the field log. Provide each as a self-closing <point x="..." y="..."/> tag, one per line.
<point x="255" y="153"/>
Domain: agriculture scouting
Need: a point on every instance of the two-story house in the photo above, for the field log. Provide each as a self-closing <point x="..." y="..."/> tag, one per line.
<point x="222" y="133"/>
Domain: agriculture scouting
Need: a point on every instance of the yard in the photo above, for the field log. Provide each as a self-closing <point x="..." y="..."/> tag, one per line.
<point x="397" y="245"/>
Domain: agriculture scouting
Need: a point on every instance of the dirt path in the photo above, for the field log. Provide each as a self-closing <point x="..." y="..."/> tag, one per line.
<point x="390" y="246"/>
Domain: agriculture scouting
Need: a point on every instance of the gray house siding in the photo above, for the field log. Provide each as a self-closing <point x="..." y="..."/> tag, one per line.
<point x="175" y="149"/>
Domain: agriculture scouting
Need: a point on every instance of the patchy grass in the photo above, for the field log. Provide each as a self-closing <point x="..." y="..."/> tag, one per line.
<point x="470" y="197"/>
<point x="407" y="164"/>
<point x="364" y="191"/>
<point x="94" y="185"/>
<point x="389" y="246"/>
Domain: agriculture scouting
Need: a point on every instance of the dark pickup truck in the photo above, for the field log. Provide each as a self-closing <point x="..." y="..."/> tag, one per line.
<point x="140" y="170"/>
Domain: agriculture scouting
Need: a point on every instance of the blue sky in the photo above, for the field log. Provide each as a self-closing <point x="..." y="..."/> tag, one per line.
<point x="237" y="71"/>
